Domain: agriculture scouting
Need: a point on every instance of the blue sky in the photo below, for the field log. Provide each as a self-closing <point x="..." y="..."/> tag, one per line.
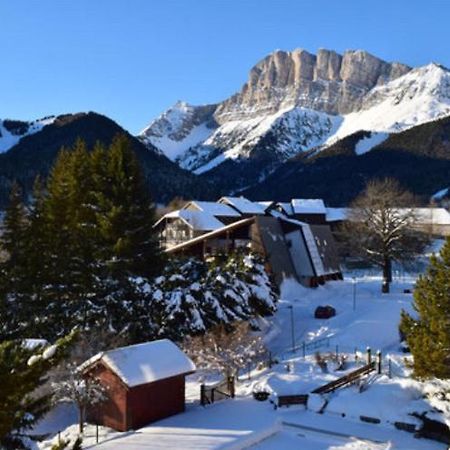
<point x="131" y="59"/>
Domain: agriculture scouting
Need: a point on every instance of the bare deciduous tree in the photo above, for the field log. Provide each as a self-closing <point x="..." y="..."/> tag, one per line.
<point x="225" y="351"/>
<point x="70" y="384"/>
<point x="380" y="227"/>
<point x="81" y="389"/>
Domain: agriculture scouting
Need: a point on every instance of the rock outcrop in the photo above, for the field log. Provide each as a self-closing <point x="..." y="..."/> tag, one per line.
<point x="327" y="82"/>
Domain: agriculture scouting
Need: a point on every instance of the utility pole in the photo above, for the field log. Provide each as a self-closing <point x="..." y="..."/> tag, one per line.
<point x="292" y="328"/>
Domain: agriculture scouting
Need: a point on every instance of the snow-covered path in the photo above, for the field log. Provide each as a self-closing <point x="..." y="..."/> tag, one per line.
<point x="218" y="426"/>
<point x="351" y="328"/>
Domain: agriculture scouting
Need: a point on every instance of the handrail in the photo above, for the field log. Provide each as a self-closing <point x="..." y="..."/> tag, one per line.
<point x="346" y="379"/>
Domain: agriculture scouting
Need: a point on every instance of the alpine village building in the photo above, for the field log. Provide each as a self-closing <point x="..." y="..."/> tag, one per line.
<point x="293" y="237"/>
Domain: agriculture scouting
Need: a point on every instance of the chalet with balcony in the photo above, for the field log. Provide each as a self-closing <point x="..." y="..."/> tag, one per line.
<point x="292" y="248"/>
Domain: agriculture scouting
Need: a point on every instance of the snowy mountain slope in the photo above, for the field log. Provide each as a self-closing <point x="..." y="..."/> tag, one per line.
<point x="295" y="130"/>
<point x="420" y="96"/>
<point x="418" y="158"/>
<point x="179" y="128"/>
<point x="12" y="131"/>
<point x="295" y="107"/>
<point x="368" y="143"/>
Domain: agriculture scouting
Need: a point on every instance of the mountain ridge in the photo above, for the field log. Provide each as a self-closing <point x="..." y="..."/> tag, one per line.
<point x="350" y="92"/>
<point x="419" y="158"/>
<point x="35" y="153"/>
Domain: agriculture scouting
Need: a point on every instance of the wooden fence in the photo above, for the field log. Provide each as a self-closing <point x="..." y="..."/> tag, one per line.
<point x="218" y="391"/>
<point x="346" y="379"/>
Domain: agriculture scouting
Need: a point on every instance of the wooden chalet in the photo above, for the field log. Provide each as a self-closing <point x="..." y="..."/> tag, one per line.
<point x="143" y="383"/>
<point x="193" y="220"/>
<point x="288" y="246"/>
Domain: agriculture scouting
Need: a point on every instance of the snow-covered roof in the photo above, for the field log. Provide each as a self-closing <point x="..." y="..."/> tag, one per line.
<point x="336" y="214"/>
<point x="286" y="207"/>
<point x="32" y="344"/>
<point x="145" y="363"/>
<point x="266" y="204"/>
<point x="244" y="205"/>
<point x="422" y="216"/>
<point x="311" y="244"/>
<point x="432" y="216"/>
<point x="213" y="208"/>
<point x="198" y="220"/>
<point x="308" y="206"/>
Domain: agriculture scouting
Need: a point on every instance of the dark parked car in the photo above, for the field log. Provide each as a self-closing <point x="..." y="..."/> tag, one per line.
<point x="324" y="312"/>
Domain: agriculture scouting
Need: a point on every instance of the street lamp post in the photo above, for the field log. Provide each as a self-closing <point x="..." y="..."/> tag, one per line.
<point x="292" y="327"/>
<point x="354" y="293"/>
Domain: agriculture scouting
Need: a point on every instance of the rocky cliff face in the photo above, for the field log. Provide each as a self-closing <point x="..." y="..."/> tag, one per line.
<point x="327" y="82"/>
<point x="296" y="102"/>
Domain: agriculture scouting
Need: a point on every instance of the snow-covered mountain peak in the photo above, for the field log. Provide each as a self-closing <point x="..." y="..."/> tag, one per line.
<point x="180" y="127"/>
<point x="420" y="96"/>
<point x="431" y="80"/>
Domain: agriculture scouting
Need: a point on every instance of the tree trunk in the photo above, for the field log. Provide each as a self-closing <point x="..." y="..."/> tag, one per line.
<point x="81" y="418"/>
<point x="387" y="274"/>
<point x="389" y="269"/>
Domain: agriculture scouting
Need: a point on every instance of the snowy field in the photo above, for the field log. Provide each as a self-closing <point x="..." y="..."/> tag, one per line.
<point x="365" y="318"/>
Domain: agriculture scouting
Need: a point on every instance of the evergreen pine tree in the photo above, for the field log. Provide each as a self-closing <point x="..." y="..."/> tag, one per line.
<point x="88" y="239"/>
<point x="13" y="277"/>
<point x="38" y="262"/>
<point x="22" y="371"/>
<point x="57" y="215"/>
<point x="68" y="231"/>
<point x="428" y="334"/>
<point x="126" y="248"/>
<point x="125" y="213"/>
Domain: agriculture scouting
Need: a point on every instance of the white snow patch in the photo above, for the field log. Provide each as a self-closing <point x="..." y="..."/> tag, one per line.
<point x="302" y="129"/>
<point x="173" y="148"/>
<point x="9" y="140"/>
<point x="419" y="96"/>
<point x="308" y="206"/>
<point x="50" y="352"/>
<point x="368" y="143"/>
<point x="440" y="194"/>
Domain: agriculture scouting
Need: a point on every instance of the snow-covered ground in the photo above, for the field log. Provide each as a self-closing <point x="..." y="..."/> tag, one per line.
<point x="365" y="317"/>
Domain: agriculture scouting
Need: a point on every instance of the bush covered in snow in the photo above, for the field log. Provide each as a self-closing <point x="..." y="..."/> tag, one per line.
<point x="192" y="296"/>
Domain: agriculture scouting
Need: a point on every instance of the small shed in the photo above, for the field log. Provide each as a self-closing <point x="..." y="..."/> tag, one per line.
<point x="144" y="383"/>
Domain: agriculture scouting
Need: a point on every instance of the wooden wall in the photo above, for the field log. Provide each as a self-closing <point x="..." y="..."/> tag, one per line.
<point x="154" y="401"/>
<point x="111" y="413"/>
